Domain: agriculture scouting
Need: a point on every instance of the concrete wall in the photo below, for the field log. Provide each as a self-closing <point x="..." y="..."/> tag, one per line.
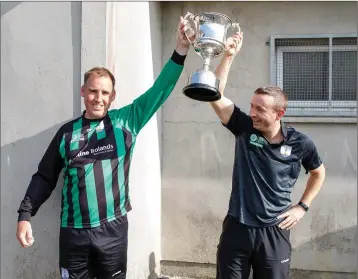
<point x="198" y="151"/>
<point x="45" y="49"/>
<point x="40" y="82"/>
<point x="136" y="60"/>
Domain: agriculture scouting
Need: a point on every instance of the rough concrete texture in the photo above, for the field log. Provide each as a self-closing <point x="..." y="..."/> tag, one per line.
<point x="41" y="46"/>
<point x="198" y="150"/>
<point x="40" y="82"/>
<point x="45" y="49"/>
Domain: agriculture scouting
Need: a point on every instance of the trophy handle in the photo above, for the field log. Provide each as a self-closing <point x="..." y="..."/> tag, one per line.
<point x="237" y="26"/>
<point x="190" y="28"/>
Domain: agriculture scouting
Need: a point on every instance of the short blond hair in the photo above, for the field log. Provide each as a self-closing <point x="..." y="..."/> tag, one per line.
<point x="276" y="92"/>
<point x="101" y="72"/>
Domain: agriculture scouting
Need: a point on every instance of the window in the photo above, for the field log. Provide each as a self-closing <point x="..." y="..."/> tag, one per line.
<point x="318" y="74"/>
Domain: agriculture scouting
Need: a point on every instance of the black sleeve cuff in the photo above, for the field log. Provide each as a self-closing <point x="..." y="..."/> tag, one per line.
<point x="232" y="118"/>
<point x="177" y="58"/>
<point x="239" y="122"/>
<point x="313" y="167"/>
<point x="24" y="216"/>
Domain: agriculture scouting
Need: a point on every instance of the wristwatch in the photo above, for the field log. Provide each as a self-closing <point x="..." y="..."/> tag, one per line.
<point x="303" y="205"/>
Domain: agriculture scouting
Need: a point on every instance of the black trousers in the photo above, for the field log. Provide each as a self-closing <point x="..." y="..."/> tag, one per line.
<point x="95" y="253"/>
<point x="266" y="250"/>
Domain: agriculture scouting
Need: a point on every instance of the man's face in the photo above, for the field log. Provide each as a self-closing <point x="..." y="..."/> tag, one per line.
<point x="263" y="112"/>
<point x="98" y="95"/>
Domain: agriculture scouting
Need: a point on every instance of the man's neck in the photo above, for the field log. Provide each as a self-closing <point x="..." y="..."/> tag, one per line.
<point x="274" y="135"/>
<point x="93" y="118"/>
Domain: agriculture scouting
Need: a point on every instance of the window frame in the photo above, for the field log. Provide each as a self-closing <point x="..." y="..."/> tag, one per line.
<point x="300" y="108"/>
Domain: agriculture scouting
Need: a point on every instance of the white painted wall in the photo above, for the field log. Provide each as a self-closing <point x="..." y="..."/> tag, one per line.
<point x="40" y="82"/>
<point x="136" y="59"/>
<point x="46" y="48"/>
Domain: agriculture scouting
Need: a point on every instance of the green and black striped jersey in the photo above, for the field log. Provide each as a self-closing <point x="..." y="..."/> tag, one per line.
<point x="95" y="156"/>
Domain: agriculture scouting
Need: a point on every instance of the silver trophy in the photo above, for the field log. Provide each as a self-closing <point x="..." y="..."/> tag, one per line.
<point x="207" y="33"/>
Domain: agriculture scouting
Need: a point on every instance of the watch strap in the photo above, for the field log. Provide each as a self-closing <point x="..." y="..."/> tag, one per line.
<point x="303" y="205"/>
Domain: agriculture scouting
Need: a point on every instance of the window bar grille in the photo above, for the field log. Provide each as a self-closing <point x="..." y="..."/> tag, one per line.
<point x="338" y="99"/>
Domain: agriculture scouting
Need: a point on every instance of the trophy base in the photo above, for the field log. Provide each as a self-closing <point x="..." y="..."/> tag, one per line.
<point x="202" y="92"/>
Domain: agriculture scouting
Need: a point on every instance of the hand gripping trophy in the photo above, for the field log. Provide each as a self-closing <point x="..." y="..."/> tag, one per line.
<point x="207" y="33"/>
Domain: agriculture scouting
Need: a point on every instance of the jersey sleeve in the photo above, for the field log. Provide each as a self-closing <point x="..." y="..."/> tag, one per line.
<point x="135" y="115"/>
<point x="310" y="159"/>
<point x="239" y="122"/>
<point x="44" y="181"/>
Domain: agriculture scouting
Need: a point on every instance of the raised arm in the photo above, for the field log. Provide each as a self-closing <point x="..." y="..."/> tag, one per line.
<point x="137" y="114"/>
<point x="225" y="107"/>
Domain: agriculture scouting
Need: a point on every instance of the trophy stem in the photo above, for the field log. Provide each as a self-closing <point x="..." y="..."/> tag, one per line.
<point x="207" y="63"/>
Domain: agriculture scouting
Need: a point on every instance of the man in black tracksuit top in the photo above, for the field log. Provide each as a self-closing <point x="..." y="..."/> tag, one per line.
<point x="95" y="151"/>
<point x="268" y="159"/>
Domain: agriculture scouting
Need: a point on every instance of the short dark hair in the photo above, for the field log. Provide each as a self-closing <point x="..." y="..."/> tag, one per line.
<point x="101" y="72"/>
<point x="276" y="92"/>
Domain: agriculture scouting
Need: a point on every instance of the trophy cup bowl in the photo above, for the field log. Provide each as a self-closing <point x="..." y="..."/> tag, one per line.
<point x="207" y="33"/>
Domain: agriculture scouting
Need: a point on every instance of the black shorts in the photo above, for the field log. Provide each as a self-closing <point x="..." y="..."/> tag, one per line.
<point x="95" y="253"/>
<point x="266" y="250"/>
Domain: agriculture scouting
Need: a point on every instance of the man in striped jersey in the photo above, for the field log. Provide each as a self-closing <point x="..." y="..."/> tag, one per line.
<point x="95" y="151"/>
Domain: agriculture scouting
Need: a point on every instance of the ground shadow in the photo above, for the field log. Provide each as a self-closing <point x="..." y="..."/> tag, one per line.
<point x="152" y="266"/>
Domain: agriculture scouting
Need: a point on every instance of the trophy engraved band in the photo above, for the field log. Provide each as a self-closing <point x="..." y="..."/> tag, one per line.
<point x="207" y="33"/>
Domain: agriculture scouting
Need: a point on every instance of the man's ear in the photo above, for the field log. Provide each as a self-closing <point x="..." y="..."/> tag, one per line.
<point x="280" y="114"/>
<point x="82" y="91"/>
<point x="113" y="95"/>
